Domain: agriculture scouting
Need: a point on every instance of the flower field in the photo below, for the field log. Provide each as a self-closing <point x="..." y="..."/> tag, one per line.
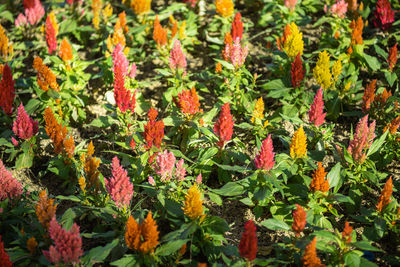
<point x="199" y="133"/>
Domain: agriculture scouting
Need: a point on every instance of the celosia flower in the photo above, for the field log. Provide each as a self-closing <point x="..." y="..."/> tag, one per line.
<point x="177" y="58"/>
<point x="54" y="130"/>
<point x="31" y="245"/>
<point x="235" y="53"/>
<point x="165" y="165"/>
<point x="144" y="237"/>
<point x="392" y="58"/>
<point x="82" y="183"/>
<point x="384" y="15"/>
<point x="34" y="11"/>
<point x="280" y="42"/>
<point x="352" y="6"/>
<point x="299" y="219"/>
<point x="174" y="26"/>
<point x="316" y="115"/>
<point x="5" y="48"/>
<point x="290" y="4"/>
<point x="297" y="71"/>
<point x="45" y="77"/>
<point x="153" y="130"/>
<point x="321" y="71"/>
<point x="356" y="35"/>
<point x="96" y="7"/>
<point x="223" y="127"/>
<point x="339" y="8"/>
<point x="188" y="102"/>
<point x="318" y="182"/>
<point x="380" y="99"/>
<point x="152" y="181"/>
<point x="20" y="20"/>
<point x="193" y="2"/>
<point x="67" y="244"/>
<point x="51" y="34"/>
<point x="141" y="6"/>
<point x="298" y="145"/>
<point x="258" y="112"/>
<point x="265" y="158"/>
<point x="91" y="165"/>
<point x="7" y="91"/>
<point x="122" y="20"/>
<point x="70" y="2"/>
<point x="224" y="7"/>
<point x="346" y="234"/>
<point x="107" y="12"/>
<point x="118" y="37"/>
<point x="369" y="96"/>
<point x="45" y="209"/>
<point x="119" y="186"/>
<point x="336" y="70"/>
<point x="248" y="242"/>
<point x="394" y="125"/>
<point x="199" y="179"/>
<point x="362" y="140"/>
<point x="237" y="27"/>
<point x="193" y="207"/>
<point x="310" y="258"/>
<point x="160" y="34"/>
<point x="9" y="186"/>
<point x="180" y="170"/>
<point x="24" y="126"/>
<point x="65" y="52"/>
<point x="4" y="258"/>
<point x="294" y="44"/>
<point x="386" y="193"/>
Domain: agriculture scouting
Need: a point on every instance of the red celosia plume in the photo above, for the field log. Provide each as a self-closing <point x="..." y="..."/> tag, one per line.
<point x="223" y="127"/>
<point x="384" y="15"/>
<point x="51" y="39"/>
<point x="265" y="158"/>
<point x="299" y="219"/>
<point x="316" y="115"/>
<point x="4" y="258"/>
<point x="248" y="242"/>
<point x="297" y="71"/>
<point x="153" y="130"/>
<point x="7" y="91"/>
<point x="237" y="27"/>
<point x="188" y="102"/>
<point x="24" y="126"/>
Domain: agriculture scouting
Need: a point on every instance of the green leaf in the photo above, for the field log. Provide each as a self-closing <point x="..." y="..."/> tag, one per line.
<point x="127" y="261"/>
<point x="274" y="84"/>
<point x="380" y="226"/>
<point x="227" y="65"/>
<point x="364" y="245"/>
<point x="334" y="175"/>
<point x="391" y="77"/>
<point x="230" y="189"/>
<point x="215" y="198"/>
<point x="170" y="247"/>
<point x="68" y="218"/>
<point x="102" y="122"/>
<point x="275" y="224"/>
<point x="25" y="160"/>
<point x="352" y="259"/>
<point x="99" y="254"/>
<point x="234" y="168"/>
<point x="71" y="198"/>
<point x="377" y="144"/>
<point x="372" y="62"/>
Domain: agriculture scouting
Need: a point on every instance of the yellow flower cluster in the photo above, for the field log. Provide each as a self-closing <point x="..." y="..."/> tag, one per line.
<point x="141" y="6"/>
<point x="6" y="49"/>
<point x="337" y="70"/>
<point x="107" y="11"/>
<point x="258" y="112"/>
<point x="193" y="207"/>
<point x="224" y="7"/>
<point x="118" y="37"/>
<point x="96" y="7"/>
<point x="294" y="43"/>
<point x="322" y="71"/>
<point x="298" y="145"/>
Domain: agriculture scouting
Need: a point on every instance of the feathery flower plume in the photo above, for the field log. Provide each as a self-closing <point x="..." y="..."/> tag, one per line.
<point x="91" y="165"/>
<point x="290" y="4"/>
<point x="65" y="52"/>
<point x="55" y="130"/>
<point x="294" y="44"/>
<point x="160" y="34"/>
<point x="248" y="242"/>
<point x="9" y="186"/>
<point x="165" y="165"/>
<point x="346" y="234"/>
<point x="51" y="33"/>
<point x="321" y="71"/>
<point x="362" y="140"/>
<point x="369" y="96"/>
<point x="180" y="170"/>
<point x="193" y="206"/>
<point x="122" y="20"/>
<point x="144" y="237"/>
<point x="394" y="125"/>
<point x="34" y="11"/>
<point x="199" y="179"/>
<point x="6" y="49"/>
<point x="31" y="245"/>
<point x="392" y="58"/>
<point x="310" y="258"/>
<point x="82" y="183"/>
<point x="339" y="8"/>
<point x="298" y="145"/>
<point x="357" y="28"/>
<point x="96" y="7"/>
<point x="177" y="58"/>
<point x="280" y="41"/>
<point x="258" y="112"/>
<point x="173" y="26"/>
<point x="151" y="181"/>
<point x="45" y="209"/>
<point x="24" y="126"/>
<point x="318" y="182"/>
<point x="107" y="12"/>
<point x="7" y="91"/>
<point x="299" y="219"/>
<point x="188" y="102"/>
<point x="337" y="70"/>
<point x="45" y="77"/>
<point x="353" y="6"/>
<point x="297" y="71"/>
<point x="386" y="193"/>
<point x="316" y="115"/>
<point x="70" y="2"/>
<point x="265" y="158"/>
<point x="67" y="244"/>
<point x="153" y="130"/>
<point x="140" y="6"/>
<point x="118" y="186"/>
<point x="20" y="20"/>
<point x="224" y="7"/>
<point x="237" y="27"/>
<point x="4" y="258"/>
<point x="384" y="15"/>
<point x="223" y="127"/>
<point x="118" y="37"/>
<point x="235" y="53"/>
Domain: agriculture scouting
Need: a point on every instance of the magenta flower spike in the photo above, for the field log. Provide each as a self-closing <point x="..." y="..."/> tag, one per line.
<point x="165" y="163"/>
<point x="362" y="139"/>
<point x="316" y="115"/>
<point x="177" y="59"/>
<point x="9" y="186"/>
<point x="265" y="157"/>
<point x="24" y="126"/>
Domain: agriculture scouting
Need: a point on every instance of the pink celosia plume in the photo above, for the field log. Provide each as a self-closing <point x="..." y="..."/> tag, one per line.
<point x="20" y="20"/>
<point x="24" y="126"/>
<point x="316" y="115"/>
<point x="177" y="59"/>
<point x="362" y="140"/>
<point x="119" y="186"/>
<point x="290" y="4"/>
<point x="51" y="38"/>
<point x="265" y="158"/>
<point x="34" y="11"/>
<point x="9" y="186"/>
<point x="235" y="53"/>
<point x="199" y="179"/>
<point x="339" y="8"/>
<point x="7" y="90"/>
<point x="165" y="165"/>
<point x="180" y="170"/>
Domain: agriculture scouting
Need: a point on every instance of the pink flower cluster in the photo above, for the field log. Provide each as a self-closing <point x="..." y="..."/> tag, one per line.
<point x="68" y="244"/>
<point x="265" y="158"/>
<point x="236" y="53"/>
<point x="118" y="186"/>
<point x="362" y="140"/>
<point x="34" y="11"/>
<point x="316" y="115"/>
<point x="24" y="126"/>
<point x="7" y="90"/>
<point x="124" y="98"/>
<point x="339" y="8"/>
<point x="290" y="4"/>
<point x="177" y="59"/>
<point x="164" y="166"/>
<point x="9" y="186"/>
<point x="180" y="170"/>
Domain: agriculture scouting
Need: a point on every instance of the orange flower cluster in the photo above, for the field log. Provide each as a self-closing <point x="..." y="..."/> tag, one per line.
<point x="45" y="209"/>
<point x="58" y="134"/>
<point x="381" y="99"/>
<point x="31" y="245"/>
<point x="144" y="237"/>
<point x="188" y="102"/>
<point x="122" y="20"/>
<point x="65" y="52"/>
<point x="393" y="125"/>
<point x="140" y="6"/>
<point x="45" y="77"/>
<point x="346" y="234"/>
<point x="280" y="42"/>
<point x="118" y="37"/>
<point x="299" y="219"/>
<point x="310" y="258"/>
<point x="224" y="7"/>
<point x="369" y="96"/>
<point x="5" y="48"/>
<point x="91" y="165"/>
<point x="318" y="182"/>
<point x="159" y="33"/>
<point x="386" y="193"/>
<point x="357" y="27"/>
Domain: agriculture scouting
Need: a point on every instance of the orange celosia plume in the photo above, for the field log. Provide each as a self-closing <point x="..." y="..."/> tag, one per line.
<point x="45" y="77"/>
<point x="369" y="96"/>
<point x="144" y="237"/>
<point x="65" y="52"/>
<point x="318" y="182"/>
<point x="91" y="165"/>
<point x="45" y="209"/>
<point x="346" y="234"/>
<point x="224" y="7"/>
<point x="55" y="130"/>
<point x="159" y="33"/>
<point x="310" y="258"/>
<point x="357" y="27"/>
<point x="386" y="193"/>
